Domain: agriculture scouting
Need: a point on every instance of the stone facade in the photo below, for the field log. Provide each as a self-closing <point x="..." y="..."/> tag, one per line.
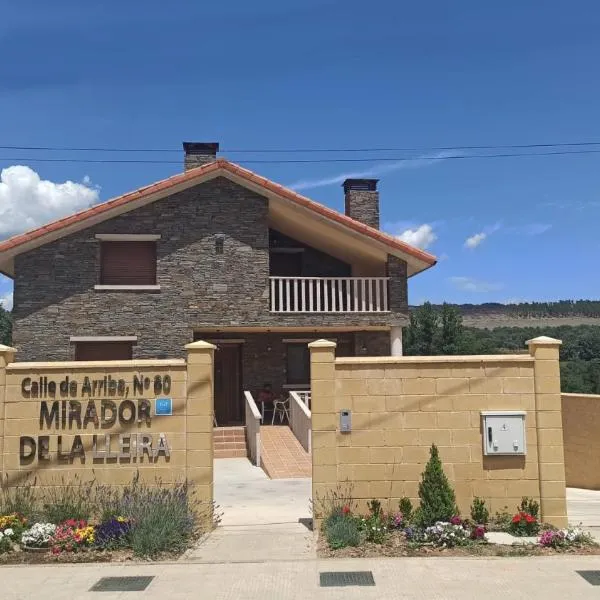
<point x="54" y="295"/>
<point x="362" y="204"/>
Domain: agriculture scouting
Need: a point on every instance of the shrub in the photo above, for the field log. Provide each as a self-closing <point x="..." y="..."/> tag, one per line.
<point x="524" y="524"/>
<point x="71" y="536"/>
<point x="68" y="500"/>
<point x="15" y="522"/>
<point x="375" y="524"/>
<point x="479" y="512"/>
<point x="438" y="502"/>
<point x="406" y="508"/>
<point x="501" y="520"/>
<point x="529" y="506"/>
<point x="335" y="501"/>
<point x="19" y="499"/>
<point x="343" y="532"/>
<point x="162" y="517"/>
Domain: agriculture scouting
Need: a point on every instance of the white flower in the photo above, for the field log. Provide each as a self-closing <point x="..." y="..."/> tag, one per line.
<point x="9" y="532"/>
<point x="1" y="536"/>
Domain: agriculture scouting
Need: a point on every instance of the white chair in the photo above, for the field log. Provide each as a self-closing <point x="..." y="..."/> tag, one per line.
<point x="281" y="409"/>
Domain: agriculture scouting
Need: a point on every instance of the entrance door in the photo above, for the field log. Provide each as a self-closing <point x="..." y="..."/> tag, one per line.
<point x="228" y="385"/>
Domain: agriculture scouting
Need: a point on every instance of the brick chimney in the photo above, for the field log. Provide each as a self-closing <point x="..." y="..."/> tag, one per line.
<point x="199" y="153"/>
<point x="362" y="201"/>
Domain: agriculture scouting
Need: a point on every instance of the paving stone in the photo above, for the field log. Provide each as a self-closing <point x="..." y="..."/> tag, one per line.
<point x="503" y="538"/>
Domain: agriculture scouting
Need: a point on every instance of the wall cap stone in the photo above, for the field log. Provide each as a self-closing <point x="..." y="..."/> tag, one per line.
<point x="6" y="349"/>
<point x="322" y="344"/>
<point x="543" y="340"/>
<point x="411" y="360"/>
<point x="584" y="396"/>
<point x="97" y="364"/>
<point x="200" y="345"/>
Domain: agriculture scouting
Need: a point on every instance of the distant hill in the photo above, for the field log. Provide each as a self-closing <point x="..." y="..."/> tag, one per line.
<point x="531" y="314"/>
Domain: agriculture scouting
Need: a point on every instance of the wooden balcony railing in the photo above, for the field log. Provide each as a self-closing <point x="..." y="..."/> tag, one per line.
<point x="329" y="294"/>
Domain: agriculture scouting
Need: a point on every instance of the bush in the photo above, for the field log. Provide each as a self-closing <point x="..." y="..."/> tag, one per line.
<point x="335" y="501"/>
<point x="564" y="538"/>
<point x="479" y="512"/>
<point x="68" y="500"/>
<point x="375" y="524"/>
<point x="406" y="508"/>
<point x="524" y="524"/>
<point x="162" y="517"/>
<point x="447" y="535"/>
<point x="342" y="532"/>
<point x="19" y="500"/>
<point x="438" y="502"/>
<point x="529" y="506"/>
<point x="112" y="533"/>
<point x="501" y="520"/>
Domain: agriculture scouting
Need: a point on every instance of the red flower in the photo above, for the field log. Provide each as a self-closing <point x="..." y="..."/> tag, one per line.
<point x="346" y="510"/>
<point x="530" y="519"/>
<point x="516" y="519"/>
<point x="55" y="550"/>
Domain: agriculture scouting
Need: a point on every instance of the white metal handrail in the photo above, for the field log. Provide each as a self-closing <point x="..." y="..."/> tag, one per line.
<point x="301" y="420"/>
<point x="329" y="294"/>
<point x="253" y="420"/>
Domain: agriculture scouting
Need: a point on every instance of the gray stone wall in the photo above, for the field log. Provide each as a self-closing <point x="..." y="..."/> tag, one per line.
<point x="363" y="206"/>
<point x="54" y="296"/>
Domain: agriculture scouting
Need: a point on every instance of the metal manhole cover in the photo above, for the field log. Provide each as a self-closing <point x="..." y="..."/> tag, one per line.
<point x="346" y="578"/>
<point x="122" y="584"/>
<point x="592" y="577"/>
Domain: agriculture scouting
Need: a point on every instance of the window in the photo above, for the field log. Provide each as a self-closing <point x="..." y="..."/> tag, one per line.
<point x="128" y="263"/>
<point x="103" y="350"/>
<point x="298" y="364"/>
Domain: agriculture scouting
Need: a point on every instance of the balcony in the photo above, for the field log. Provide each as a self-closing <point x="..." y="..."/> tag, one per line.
<point x="329" y="294"/>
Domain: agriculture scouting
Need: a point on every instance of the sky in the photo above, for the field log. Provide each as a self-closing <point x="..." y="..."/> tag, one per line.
<point x="328" y="74"/>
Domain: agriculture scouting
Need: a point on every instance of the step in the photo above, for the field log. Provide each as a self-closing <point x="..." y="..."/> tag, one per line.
<point x="230" y="442"/>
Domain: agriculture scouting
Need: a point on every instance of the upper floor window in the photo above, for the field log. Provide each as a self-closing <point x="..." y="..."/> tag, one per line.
<point x="129" y="261"/>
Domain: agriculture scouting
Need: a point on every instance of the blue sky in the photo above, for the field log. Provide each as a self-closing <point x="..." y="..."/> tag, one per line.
<point x="331" y="74"/>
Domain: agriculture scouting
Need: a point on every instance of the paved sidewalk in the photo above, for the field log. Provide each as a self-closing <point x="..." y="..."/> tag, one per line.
<point x="263" y="519"/>
<point x="406" y="578"/>
<point x="583" y="506"/>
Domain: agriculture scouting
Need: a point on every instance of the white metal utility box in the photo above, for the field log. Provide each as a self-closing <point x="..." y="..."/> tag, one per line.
<point x="504" y="432"/>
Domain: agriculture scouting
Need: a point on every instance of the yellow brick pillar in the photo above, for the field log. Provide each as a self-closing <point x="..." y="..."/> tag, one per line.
<point x="324" y="447"/>
<point x="553" y="502"/>
<point x="7" y="356"/>
<point x="199" y="421"/>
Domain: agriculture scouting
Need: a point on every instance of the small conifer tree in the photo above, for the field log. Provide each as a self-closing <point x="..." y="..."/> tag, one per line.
<point x="438" y="501"/>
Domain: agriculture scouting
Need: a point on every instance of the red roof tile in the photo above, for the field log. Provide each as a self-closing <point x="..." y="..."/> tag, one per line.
<point x="198" y="172"/>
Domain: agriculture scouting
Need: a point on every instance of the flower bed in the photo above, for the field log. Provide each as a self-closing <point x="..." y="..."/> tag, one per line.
<point x="78" y="522"/>
<point x="436" y="527"/>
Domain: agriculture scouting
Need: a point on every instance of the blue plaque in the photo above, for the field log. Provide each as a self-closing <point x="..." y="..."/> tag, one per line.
<point x="163" y="407"/>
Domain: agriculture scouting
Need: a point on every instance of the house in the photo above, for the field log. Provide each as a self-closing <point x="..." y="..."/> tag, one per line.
<point x="216" y="253"/>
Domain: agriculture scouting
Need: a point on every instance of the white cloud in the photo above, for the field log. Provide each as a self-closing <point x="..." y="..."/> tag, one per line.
<point x="475" y="240"/>
<point x="533" y="228"/>
<point x="468" y="284"/>
<point x="27" y="201"/>
<point x="421" y="237"/>
<point x="379" y="169"/>
<point x="6" y="301"/>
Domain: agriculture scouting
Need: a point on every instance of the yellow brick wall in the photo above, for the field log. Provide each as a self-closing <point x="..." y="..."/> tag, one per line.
<point x="402" y="405"/>
<point x="188" y="430"/>
<point x="581" y="430"/>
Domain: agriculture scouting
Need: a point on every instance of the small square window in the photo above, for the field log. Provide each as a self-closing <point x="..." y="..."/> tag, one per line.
<point x="128" y="263"/>
<point x="219" y="245"/>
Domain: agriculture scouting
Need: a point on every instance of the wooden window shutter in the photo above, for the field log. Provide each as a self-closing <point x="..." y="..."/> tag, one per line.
<point x="103" y="351"/>
<point x="128" y="263"/>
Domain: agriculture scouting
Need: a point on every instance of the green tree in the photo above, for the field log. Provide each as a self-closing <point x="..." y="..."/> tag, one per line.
<point x="5" y="327"/>
<point x="438" y="501"/>
<point x="451" y="330"/>
<point x="422" y="331"/>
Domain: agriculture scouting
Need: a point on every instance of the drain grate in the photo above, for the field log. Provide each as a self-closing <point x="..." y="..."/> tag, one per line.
<point x="592" y="577"/>
<point x="346" y="578"/>
<point x="122" y="584"/>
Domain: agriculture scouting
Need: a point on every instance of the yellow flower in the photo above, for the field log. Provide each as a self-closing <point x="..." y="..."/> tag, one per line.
<point x="121" y="519"/>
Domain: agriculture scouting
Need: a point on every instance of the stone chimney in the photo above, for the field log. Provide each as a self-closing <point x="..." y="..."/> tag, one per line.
<point x="199" y="153"/>
<point x="362" y="201"/>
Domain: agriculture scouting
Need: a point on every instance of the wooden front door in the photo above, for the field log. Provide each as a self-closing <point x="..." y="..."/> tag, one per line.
<point x="228" y="385"/>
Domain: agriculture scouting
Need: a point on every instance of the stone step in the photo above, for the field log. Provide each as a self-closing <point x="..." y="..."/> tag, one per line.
<point x="230" y="442"/>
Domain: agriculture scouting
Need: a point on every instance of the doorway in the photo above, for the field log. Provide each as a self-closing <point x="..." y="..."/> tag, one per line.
<point x="228" y="385"/>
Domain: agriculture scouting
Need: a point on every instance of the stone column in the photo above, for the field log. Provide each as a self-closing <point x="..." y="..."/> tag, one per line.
<point x="199" y="422"/>
<point x="553" y="502"/>
<point x="324" y="421"/>
<point x="396" y="340"/>
<point x="7" y="356"/>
